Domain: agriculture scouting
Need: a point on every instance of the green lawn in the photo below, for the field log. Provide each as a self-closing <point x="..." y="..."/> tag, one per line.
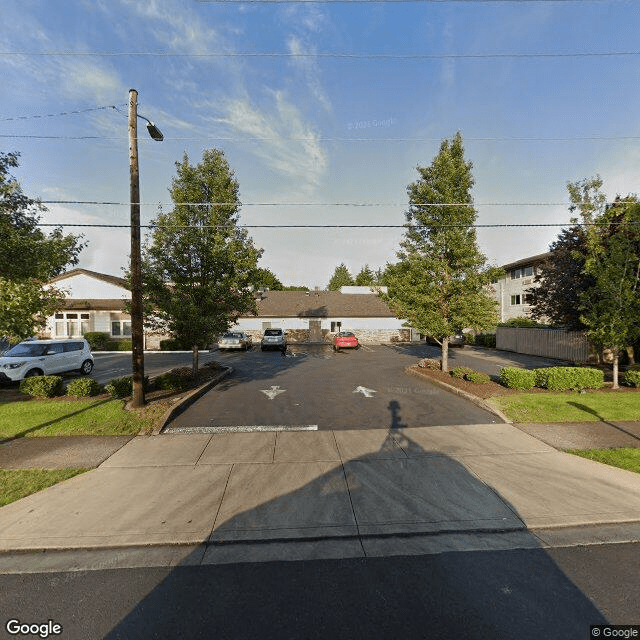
<point x="61" y="417"/>
<point x="569" y="407"/>
<point x="18" y="483"/>
<point x="624" y="458"/>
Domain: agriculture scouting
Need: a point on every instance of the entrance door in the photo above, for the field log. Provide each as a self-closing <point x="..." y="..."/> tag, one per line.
<point x="315" y="331"/>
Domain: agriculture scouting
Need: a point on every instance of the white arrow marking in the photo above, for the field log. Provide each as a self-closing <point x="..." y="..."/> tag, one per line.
<point x="273" y="392"/>
<point x="367" y="393"/>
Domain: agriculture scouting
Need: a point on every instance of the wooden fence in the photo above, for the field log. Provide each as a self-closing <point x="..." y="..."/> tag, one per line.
<point x="550" y="343"/>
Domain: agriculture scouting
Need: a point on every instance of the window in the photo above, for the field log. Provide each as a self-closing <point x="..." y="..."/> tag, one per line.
<point x="527" y="271"/>
<point x="515" y="299"/>
<point x="527" y="298"/>
<point x="67" y="324"/>
<point x="516" y="273"/>
<point x="115" y="328"/>
<point x="73" y="346"/>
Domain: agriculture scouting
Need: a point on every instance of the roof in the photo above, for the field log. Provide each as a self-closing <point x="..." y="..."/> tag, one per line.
<point x="100" y="304"/>
<point x="526" y="261"/>
<point x="119" y="282"/>
<point x="321" y="304"/>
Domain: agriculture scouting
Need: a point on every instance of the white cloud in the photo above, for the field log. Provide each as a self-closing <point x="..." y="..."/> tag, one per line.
<point x="308" y="65"/>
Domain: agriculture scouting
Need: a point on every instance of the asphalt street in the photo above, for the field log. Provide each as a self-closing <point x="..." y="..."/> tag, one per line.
<point x="529" y="594"/>
<point x="315" y="388"/>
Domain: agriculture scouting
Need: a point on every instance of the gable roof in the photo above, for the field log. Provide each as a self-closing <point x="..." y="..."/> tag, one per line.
<point x="525" y="262"/>
<point x="119" y="282"/>
<point x="321" y="304"/>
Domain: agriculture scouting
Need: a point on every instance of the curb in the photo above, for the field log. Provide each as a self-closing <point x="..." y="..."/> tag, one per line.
<point x="191" y="397"/>
<point x="412" y="370"/>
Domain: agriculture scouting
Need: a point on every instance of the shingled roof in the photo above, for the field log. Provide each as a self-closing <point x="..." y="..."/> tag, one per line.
<point x="321" y="304"/>
<point x="119" y="282"/>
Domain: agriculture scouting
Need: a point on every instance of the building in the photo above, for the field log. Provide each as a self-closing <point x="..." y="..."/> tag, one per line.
<point x="315" y="316"/>
<point x="511" y="291"/>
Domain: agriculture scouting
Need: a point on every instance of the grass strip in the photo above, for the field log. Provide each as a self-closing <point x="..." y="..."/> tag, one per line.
<point x="18" y="483"/>
<point x="101" y="416"/>
<point x="624" y="458"/>
<point x="569" y="407"/>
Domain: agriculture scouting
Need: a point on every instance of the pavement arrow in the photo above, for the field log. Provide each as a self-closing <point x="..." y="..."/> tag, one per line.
<point x="367" y="393"/>
<point x="273" y="392"/>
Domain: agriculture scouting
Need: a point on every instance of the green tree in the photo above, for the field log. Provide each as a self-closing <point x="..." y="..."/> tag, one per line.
<point x="28" y="258"/>
<point x="340" y="278"/>
<point x="295" y="287"/>
<point x="611" y="307"/>
<point x="198" y="264"/>
<point x="366" y="277"/>
<point x="439" y="282"/>
<point x="266" y="279"/>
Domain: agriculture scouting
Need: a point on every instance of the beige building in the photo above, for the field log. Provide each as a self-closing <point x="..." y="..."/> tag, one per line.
<point x="512" y="290"/>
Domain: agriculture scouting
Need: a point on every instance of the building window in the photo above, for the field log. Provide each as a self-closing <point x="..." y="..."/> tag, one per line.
<point x="71" y="324"/>
<point x="527" y="271"/>
<point x="515" y="299"/>
<point x="516" y="273"/>
<point x="527" y="298"/>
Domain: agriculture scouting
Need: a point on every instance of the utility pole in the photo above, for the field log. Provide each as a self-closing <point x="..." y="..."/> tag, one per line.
<point x="137" y="329"/>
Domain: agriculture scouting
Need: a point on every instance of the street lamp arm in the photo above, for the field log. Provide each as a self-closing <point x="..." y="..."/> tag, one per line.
<point x="154" y="132"/>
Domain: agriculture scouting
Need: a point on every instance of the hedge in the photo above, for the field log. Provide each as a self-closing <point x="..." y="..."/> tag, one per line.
<point x="563" y="378"/>
<point x="486" y="340"/>
<point x="83" y="388"/>
<point x="461" y="372"/>
<point x="515" y="378"/>
<point x="170" y="381"/>
<point x="632" y="378"/>
<point x="42" y="386"/>
<point x="98" y="340"/>
<point x="123" y="387"/>
<point x="477" y="377"/>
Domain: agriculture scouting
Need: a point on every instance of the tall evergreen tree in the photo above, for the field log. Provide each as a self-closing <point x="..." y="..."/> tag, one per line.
<point x="340" y="278"/>
<point x="28" y="258"/>
<point x="198" y="264"/>
<point x="439" y="282"/>
<point x="366" y="277"/>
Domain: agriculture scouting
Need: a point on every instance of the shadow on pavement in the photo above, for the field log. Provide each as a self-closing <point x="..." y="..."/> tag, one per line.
<point x="394" y="588"/>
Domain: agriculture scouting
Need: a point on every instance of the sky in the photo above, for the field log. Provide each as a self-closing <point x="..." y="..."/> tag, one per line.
<point x="323" y="110"/>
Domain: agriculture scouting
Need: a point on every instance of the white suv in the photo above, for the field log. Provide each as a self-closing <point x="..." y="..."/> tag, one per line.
<point x="44" y="357"/>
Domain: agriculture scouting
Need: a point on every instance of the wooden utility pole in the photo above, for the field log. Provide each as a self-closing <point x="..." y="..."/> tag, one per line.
<point x="137" y="329"/>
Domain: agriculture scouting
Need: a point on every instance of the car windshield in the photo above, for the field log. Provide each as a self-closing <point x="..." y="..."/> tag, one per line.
<point x="273" y="332"/>
<point x="26" y="349"/>
<point x="346" y="334"/>
<point x="232" y="335"/>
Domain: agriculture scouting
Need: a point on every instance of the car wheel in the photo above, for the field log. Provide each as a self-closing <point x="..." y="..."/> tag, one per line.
<point x="86" y="368"/>
<point x="33" y="372"/>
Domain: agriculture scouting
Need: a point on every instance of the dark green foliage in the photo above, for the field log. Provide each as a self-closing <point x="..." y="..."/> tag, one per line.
<point x="170" y="381"/>
<point x="42" y="386"/>
<point x="520" y="322"/>
<point x="515" y="378"/>
<point x="366" y="277"/>
<point x="123" y="387"/>
<point x="124" y="345"/>
<point x="632" y="378"/>
<point x="98" y="341"/>
<point x="477" y="377"/>
<point x="460" y="372"/>
<point x="486" y="340"/>
<point x="340" y="278"/>
<point x="470" y="338"/>
<point x="265" y="279"/>
<point x="83" y="388"/>
<point x="564" y="378"/>
<point x="171" y="344"/>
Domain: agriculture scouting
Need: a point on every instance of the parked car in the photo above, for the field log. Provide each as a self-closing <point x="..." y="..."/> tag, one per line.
<point x="456" y="340"/>
<point x="235" y="340"/>
<point x="274" y="339"/>
<point x="345" y="339"/>
<point x="45" y="357"/>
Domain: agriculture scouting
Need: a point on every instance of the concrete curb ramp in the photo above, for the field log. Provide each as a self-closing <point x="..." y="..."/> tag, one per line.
<point x="304" y="486"/>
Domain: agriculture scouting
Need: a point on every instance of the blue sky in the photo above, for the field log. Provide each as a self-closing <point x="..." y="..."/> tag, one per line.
<point x="307" y="128"/>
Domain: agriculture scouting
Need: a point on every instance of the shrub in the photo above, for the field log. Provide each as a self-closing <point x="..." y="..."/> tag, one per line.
<point x="83" y="388"/>
<point x="470" y="338"/>
<point x="477" y="377"/>
<point x="97" y="340"/>
<point x="521" y="322"/>
<point x="174" y="344"/>
<point x="170" y="381"/>
<point x="563" y="378"/>
<point x="515" y="378"/>
<point x="486" y="340"/>
<point x="42" y="386"/>
<point x="123" y="387"/>
<point x="632" y="378"/>
<point x="430" y="363"/>
<point x="124" y="345"/>
<point x="460" y="372"/>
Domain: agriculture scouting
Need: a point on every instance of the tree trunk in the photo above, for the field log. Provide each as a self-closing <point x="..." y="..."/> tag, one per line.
<point x="631" y="356"/>
<point x="445" y="354"/>
<point x="616" y="357"/>
<point x="194" y="362"/>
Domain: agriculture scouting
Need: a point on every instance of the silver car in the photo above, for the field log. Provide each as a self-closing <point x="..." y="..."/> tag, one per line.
<point x="235" y="340"/>
<point x="274" y="339"/>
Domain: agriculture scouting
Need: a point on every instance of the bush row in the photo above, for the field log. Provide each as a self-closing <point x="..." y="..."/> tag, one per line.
<point x="50" y="386"/>
<point x="552" y="378"/>
<point x="99" y="341"/>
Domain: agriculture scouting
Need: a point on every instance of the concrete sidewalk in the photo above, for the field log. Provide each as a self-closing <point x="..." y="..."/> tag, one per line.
<point x="350" y="486"/>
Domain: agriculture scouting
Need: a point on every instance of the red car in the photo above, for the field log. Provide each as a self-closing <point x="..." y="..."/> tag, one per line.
<point x="345" y="339"/>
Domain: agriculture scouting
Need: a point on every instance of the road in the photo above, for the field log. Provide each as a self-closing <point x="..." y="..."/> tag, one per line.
<point x="313" y="387"/>
<point x="529" y="594"/>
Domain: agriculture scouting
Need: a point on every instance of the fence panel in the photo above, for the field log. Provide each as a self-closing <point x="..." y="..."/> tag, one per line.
<point x="549" y="343"/>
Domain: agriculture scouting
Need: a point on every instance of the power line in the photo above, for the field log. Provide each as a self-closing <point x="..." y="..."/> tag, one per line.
<point x="55" y="115"/>
<point x="328" y="54"/>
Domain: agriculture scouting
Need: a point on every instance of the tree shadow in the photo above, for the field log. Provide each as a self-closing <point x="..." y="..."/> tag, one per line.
<point x="593" y="412"/>
<point x="391" y="505"/>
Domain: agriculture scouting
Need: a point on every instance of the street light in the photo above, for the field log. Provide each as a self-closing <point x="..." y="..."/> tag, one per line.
<point x="137" y="328"/>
